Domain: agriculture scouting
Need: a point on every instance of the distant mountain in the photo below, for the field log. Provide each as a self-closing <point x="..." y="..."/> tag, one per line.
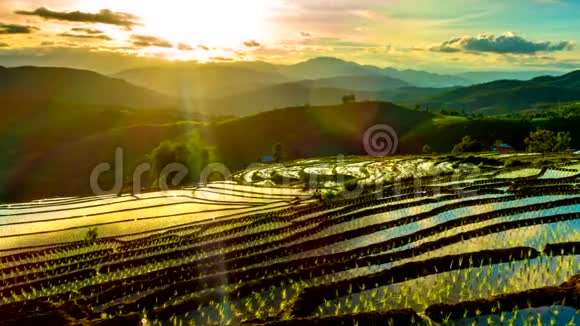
<point x="570" y="80"/>
<point x="510" y="95"/>
<point x="363" y="83"/>
<point x="71" y="86"/>
<point x="326" y="91"/>
<point x="480" y="77"/>
<point x="427" y="79"/>
<point x="326" y="67"/>
<point x="411" y="95"/>
<point x="275" y="97"/>
<point x="193" y="80"/>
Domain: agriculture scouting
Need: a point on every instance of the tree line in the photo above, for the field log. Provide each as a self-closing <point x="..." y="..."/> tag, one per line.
<point x="539" y="141"/>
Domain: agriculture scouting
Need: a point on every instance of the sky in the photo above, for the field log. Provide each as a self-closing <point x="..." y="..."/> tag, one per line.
<point x="442" y="36"/>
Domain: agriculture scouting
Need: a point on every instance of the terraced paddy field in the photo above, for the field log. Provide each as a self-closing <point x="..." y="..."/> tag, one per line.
<point x="334" y="241"/>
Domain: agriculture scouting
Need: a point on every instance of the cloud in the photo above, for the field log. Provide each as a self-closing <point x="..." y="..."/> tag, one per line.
<point x="305" y="34"/>
<point x="328" y="42"/>
<point x="149" y="41"/>
<point x="87" y="36"/>
<point x="252" y="44"/>
<point x="87" y="30"/>
<point x="221" y="59"/>
<point x="87" y="33"/>
<point x="508" y="43"/>
<point x="4" y="45"/>
<point x="203" y="47"/>
<point x="184" y="47"/>
<point x="16" y="29"/>
<point x="333" y="5"/>
<point x="104" y="16"/>
<point x="328" y="17"/>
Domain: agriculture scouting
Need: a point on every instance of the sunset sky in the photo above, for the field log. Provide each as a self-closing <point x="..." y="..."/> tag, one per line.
<point x="442" y="36"/>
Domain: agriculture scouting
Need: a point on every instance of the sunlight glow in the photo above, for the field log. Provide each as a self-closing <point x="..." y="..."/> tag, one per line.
<point x="215" y="23"/>
<point x="212" y="23"/>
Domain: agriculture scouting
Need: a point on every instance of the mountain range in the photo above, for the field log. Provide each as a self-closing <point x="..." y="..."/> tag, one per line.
<point x="511" y="95"/>
<point x="240" y="88"/>
<point x="73" y="86"/>
<point x="56" y="124"/>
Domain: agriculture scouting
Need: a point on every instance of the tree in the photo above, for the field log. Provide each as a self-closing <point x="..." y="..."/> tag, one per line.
<point x="427" y="149"/>
<point x="468" y="144"/>
<point x="192" y="154"/>
<point x="563" y="140"/>
<point x="91" y="235"/>
<point x="350" y="98"/>
<point x="278" y="153"/>
<point x="546" y="141"/>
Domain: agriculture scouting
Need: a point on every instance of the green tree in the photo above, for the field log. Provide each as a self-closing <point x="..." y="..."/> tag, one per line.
<point x="350" y="98"/>
<point x="427" y="149"/>
<point x="467" y="145"/>
<point x="563" y="140"/>
<point x="91" y="235"/>
<point x="193" y="154"/>
<point x="278" y="153"/>
<point x="546" y="141"/>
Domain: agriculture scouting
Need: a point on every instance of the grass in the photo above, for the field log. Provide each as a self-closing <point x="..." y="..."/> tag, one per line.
<point x="448" y="120"/>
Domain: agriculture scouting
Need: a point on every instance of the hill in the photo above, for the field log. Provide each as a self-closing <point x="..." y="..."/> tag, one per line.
<point x="327" y="67"/>
<point x="273" y="97"/>
<point x="480" y="77"/>
<point x="363" y="83"/>
<point x="193" y="80"/>
<point x="511" y="95"/>
<point x="72" y="86"/>
<point x="326" y="91"/>
<point x="223" y="79"/>
<point x="338" y="129"/>
<point x="63" y="166"/>
<point x="427" y="79"/>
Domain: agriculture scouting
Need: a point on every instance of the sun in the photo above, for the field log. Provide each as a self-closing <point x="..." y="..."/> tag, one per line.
<point x="213" y="23"/>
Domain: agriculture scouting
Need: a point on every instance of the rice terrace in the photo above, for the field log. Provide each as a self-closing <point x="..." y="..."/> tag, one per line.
<point x="399" y="240"/>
